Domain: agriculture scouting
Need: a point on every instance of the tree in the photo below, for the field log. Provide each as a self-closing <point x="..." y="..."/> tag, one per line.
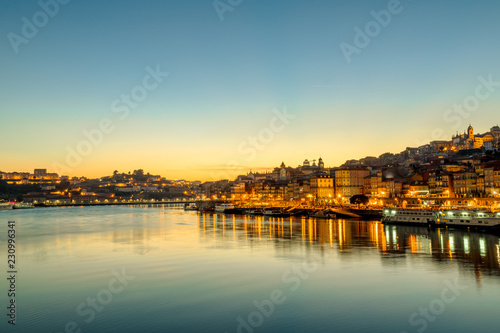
<point x="359" y="199"/>
<point x="63" y="186"/>
<point x="4" y="187"/>
<point x="139" y="175"/>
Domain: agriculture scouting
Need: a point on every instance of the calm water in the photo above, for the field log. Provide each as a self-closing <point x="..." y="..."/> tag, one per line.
<point x="160" y="269"/>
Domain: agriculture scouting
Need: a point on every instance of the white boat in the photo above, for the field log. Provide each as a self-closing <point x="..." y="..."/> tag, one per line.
<point x="443" y="218"/>
<point x="275" y="212"/>
<point x="410" y="216"/>
<point x="470" y="218"/>
<point x="6" y="206"/>
<point x="22" y="205"/>
<point x="190" y="206"/>
<point x="224" y="208"/>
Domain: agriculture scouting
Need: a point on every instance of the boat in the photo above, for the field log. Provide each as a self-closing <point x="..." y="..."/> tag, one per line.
<point x="225" y="208"/>
<point x="325" y="214"/>
<point x="275" y="212"/>
<point x="23" y="205"/>
<point x="190" y="206"/>
<point x="409" y="216"/>
<point x="207" y="209"/>
<point x="255" y="212"/>
<point x="6" y="206"/>
<point x="475" y="219"/>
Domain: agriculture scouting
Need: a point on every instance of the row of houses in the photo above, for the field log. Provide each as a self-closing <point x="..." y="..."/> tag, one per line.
<point x="39" y="176"/>
<point x="333" y="185"/>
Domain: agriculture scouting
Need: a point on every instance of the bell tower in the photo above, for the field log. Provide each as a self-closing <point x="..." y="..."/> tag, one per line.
<point x="470" y="131"/>
<point x="321" y="164"/>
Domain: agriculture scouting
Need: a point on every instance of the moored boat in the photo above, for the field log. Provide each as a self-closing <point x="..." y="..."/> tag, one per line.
<point x="190" y="206"/>
<point x="6" y="206"/>
<point x="325" y="214"/>
<point x="275" y="212"/>
<point x="23" y="205"/>
<point x="207" y="209"/>
<point x="255" y="211"/>
<point x="475" y="219"/>
<point x="410" y="216"/>
<point x="225" y="208"/>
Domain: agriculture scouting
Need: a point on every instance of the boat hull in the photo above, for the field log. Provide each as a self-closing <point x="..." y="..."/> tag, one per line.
<point x="470" y="220"/>
<point x="492" y="229"/>
<point x="276" y="214"/>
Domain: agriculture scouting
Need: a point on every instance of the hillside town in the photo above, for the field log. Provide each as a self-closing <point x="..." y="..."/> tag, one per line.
<point x="462" y="171"/>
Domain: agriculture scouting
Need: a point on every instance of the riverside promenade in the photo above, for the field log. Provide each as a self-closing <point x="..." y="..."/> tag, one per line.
<point x="308" y="210"/>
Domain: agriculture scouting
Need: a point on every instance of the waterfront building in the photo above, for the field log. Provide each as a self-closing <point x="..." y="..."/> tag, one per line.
<point x="371" y="185"/>
<point x="440" y="184"/>
<point x="322" y="188"/>
<point x="349" y="181"/>
<point x="465" y="183"/>
<point x="492" y="178"/>
<point x="418" y="188"/>
<point x="238" y="191"/>
<point x="298" y="189"/>
<point x="268" y="189"/>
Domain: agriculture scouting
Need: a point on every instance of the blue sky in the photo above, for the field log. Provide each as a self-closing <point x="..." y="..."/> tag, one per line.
<point x="226" y="78"/>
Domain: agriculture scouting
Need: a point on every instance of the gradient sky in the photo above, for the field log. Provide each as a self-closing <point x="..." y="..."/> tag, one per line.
<point x="226" y="78"/>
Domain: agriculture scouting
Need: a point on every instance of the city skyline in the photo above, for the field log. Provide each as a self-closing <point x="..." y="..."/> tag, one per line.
<point x="355" y="80"/>
<point x="229" y="171"/>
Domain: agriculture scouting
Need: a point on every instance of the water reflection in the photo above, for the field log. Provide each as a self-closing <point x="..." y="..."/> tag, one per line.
<point x="199" y="272"/>
<point x="473" y="251"/>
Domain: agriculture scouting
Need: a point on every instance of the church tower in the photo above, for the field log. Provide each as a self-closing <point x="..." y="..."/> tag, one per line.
<point x="470" y="131"/>
<point x="282" y="172"/>
<point x="321" y="164"/>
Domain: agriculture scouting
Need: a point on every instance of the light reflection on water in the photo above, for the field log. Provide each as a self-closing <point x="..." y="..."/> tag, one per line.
<point x="201" y="272"/>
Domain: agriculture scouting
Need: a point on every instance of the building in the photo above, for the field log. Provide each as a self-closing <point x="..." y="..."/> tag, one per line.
<point x="322" y="188"/>
<point x="40" y="172"/>
<point x="465" y="184"/>
<point x="492" y="179"/>
<point x="15" y="175"/>
<point x="307" y="168"/>
<point x="238" y="191"/>
<point x="469" y="140"/>
<point x="350" y="181"/>
<point x="418" y="188"/>
<point x="284" y="173"/>
<point x="373" y="185"/>
<point x="440" y="184"/>
<point x="441" y="145"/>
<point x="298" y="189"/>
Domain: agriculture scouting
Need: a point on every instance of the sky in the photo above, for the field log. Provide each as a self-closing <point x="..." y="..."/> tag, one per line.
<point x="206" y="90"/>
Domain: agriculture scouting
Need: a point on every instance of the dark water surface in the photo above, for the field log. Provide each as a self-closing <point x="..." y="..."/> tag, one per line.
<point x="160" y="269"/>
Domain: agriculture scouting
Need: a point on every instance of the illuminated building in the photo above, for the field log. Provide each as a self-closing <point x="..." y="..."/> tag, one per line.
<point x="469" y="140"/>
<point x="441" y="184"/>
<point x="350" y="181"/>
<point x="322" y="188"/>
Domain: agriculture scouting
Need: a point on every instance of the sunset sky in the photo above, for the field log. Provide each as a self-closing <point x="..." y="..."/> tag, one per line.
<point x="261" y="83"/>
